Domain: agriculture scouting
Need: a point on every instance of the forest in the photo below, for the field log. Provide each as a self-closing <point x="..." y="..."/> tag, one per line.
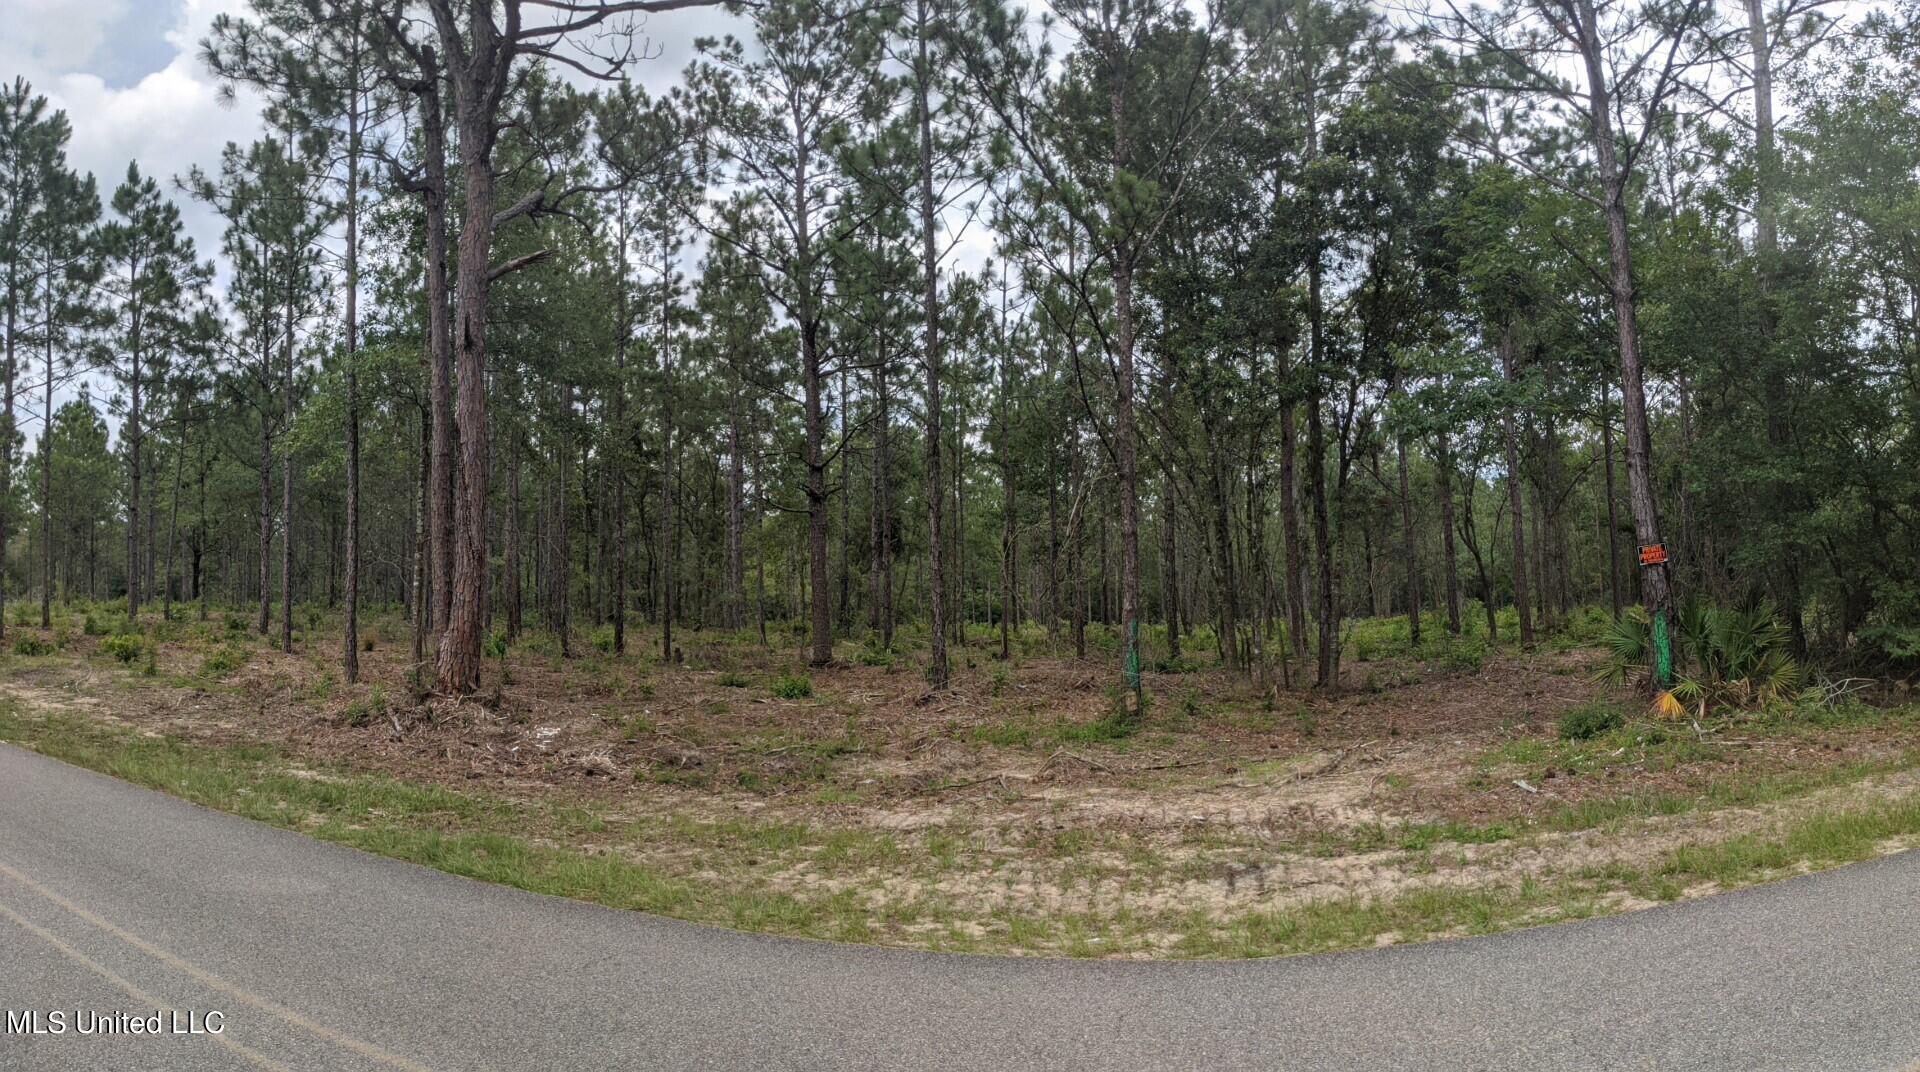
<point x="1165" y="335"/>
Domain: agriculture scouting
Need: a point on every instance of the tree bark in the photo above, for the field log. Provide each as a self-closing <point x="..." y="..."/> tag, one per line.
<point x="350" y="646"/>
<point x="460" y="645"/>
<point x="266" y="495"/>
<point x="1290" y="534"/>
<point x="1516" y="494"/>
<point x="440" y="481"/>
<point x="1443" y="464"/>
<point x="1408" y="544"/>
<point x="937" y="671"/>
<point x="1656" y="581"/>
<point x="286" y="459"/>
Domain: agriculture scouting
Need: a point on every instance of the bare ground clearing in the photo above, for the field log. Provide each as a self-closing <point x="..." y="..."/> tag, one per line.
<point x="1002" y="814"/>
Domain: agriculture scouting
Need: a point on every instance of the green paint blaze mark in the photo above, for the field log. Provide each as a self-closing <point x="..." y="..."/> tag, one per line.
<point x="1662" y="650"/>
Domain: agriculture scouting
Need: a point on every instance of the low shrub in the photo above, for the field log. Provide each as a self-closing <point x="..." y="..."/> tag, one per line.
<point x="1590" y="720"/>
<point x="224" y="661"/>
<point x="793" y="687"/>
<point x="125" y="647"/>
<point x="31" y="644"/>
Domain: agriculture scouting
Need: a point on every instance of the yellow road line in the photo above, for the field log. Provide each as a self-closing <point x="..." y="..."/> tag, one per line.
<point x="137" y="994"/>
<point x="365" y="1049"/>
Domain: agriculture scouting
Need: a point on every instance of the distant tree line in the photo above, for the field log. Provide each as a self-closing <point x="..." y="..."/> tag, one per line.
<point x="1293" y="313"/>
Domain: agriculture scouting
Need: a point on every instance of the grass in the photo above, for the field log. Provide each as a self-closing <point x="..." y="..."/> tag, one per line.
<point x="742" y="814"/>
<point x="462" y="834"/>
<point x="578" y="852"/>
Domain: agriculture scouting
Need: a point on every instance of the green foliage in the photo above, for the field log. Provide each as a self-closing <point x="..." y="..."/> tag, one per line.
<point x="1190" y="705"/>
<point x="224" y="661"/>
<point x="1116" y="725"/>
<point x="1590" y="720"/>
<point x="125" y="647"/>
<point x="1890" y="648"/>
<point x="792" y="687"/>
<point x="31" y="644"/>
<point x="1731" y="658"/>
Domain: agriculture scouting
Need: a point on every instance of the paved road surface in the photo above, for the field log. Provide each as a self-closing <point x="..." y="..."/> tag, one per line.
<point x="114" y="897"/>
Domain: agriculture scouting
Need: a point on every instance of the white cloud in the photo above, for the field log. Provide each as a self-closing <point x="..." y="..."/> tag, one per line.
<point x="168" y="119"/>
<point x="55" y="34"/>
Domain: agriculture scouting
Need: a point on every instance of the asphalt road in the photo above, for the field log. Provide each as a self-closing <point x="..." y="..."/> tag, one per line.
<point x="319" y="957"/>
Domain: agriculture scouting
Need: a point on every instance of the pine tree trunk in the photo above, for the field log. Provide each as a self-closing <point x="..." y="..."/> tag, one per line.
<point x="1516" y="494"/>
<point x="1409" y="546"/>
<point x="440" y="358"/>
<point x="266" y="502"/>
<point x="1125" y="438"/>
<point x="459" y="655"/>
<point x="1443" y="464"/>
<point x="1169" y="572"/>
<point x="511" y="565"/>
<point x="1656" y="581"/>
<point x="286" y="477"/>
<point x="736" y="523"/>
<point x="883" y="506"/>
<point x="1290" y="534"/>
<point x="350" y="646"/>
<point x="133" y="439"/>
<point x="937" y="671"/>
<point x="173" y="519"/>
<point x="46" y="488"/>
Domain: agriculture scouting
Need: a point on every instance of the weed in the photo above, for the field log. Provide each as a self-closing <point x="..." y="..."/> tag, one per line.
<point x="125" y="647"/>
<point x="31" y="644"/>
<point x="793" y="687"/>
<point x="223" y="661"/>
<point x="1590" y="720"/>
<point x="1190" y="706"/>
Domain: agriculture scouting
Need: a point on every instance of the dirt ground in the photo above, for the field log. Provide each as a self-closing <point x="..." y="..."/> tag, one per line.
<point x="1009" y="792"/>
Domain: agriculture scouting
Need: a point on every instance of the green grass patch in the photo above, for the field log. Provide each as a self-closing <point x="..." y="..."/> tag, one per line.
<point x="577" y="851"/>
<point x="792" y="687"/>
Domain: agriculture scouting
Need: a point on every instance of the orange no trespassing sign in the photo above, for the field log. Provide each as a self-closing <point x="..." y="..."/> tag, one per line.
<point x="1653" y="554"/>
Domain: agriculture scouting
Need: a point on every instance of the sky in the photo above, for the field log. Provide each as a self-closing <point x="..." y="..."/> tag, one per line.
<point x="128" y="75"/>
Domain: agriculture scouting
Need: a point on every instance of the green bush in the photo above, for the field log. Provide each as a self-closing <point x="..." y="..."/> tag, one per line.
<point x="125" y="647"/>
<point x="223" y="662"/>
<point x="793" y="687"/>
<point x="496" y="645"/>
<point x="1891" y="648"/>
<point x="31" y="644"/>
<point x="1722" y="657"/>
<point x="1463" y="654"/>
<point x="1590" y="720"/>
<point x="732" y="679"/>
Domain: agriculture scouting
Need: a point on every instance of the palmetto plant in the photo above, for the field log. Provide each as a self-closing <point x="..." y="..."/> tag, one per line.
<point x="1731" y="658"/>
